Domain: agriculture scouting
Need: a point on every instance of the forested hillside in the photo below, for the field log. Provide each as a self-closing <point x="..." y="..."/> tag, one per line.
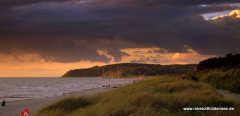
<point x="130" y="69"/>
<point x="227" y="62"/>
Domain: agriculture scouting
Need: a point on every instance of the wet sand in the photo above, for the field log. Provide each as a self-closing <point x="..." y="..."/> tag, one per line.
<point x="16" y="108"/>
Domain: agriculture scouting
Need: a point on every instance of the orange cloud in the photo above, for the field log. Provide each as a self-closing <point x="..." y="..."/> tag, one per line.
<point x="234" y="12"/>
<point x="183" y="56"/>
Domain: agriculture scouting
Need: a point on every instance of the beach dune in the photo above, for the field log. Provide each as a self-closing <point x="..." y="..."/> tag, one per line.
<point x="16" y="108"/>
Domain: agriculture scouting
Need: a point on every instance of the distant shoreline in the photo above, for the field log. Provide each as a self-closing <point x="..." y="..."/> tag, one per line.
<point x="129" y="69"/>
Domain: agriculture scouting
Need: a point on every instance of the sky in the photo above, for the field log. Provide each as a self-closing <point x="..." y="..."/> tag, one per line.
<point x="46" y="38"/>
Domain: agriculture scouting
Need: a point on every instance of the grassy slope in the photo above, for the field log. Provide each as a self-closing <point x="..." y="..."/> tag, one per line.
<point x="158" y="96"/>
<point x="227" y="80"/>
<point x="129" y="69"/>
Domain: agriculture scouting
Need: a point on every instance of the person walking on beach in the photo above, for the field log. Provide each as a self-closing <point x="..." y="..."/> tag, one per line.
<point x="3" y="103"/>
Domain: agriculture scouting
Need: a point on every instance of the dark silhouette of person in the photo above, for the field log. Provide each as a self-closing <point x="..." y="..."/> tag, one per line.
<point x="183" y="77"/>
<point x="193" y="78"/>
<point x="3" y="103"/>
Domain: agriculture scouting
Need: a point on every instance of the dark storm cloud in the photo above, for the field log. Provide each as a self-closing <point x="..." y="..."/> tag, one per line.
<point x="172" y="25"/>
<point x="137" y="61"/>
<point x="125" y="54"/>
<point x="156" y="61"/>
<point x="150" y="3"/>
<point x="117" y="54"/>
<point x="160" y="51"/>
<point x="217" y="37"/>
<point x="158" y="56"/>
<point x="69" y="52"/>
<point x="159" y="61"/>
<point x="140" y="61"/>
<point x="4" y="4"/>
<point x="147" y="59"/>
<point x="225" y="41"/>
<point x="63" y="51"/>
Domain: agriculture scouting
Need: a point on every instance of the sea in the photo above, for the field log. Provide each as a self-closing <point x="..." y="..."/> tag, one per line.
<point x="23" y="88"/>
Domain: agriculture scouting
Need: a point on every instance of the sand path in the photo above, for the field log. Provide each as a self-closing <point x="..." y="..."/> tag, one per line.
<point x="16" y="108"/>
<point x="226" y="93"/>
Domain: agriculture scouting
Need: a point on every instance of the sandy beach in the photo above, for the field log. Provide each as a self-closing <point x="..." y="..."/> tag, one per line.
<point x="15" y="108"/>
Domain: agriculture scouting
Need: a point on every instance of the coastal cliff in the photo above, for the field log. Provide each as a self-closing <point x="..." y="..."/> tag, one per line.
<point x="130" y="69"/>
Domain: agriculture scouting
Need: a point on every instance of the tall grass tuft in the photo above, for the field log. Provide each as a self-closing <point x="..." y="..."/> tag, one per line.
<point x="158" y="96"/>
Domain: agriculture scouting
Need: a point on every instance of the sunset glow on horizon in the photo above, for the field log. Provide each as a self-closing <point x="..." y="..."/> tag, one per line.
<point x="25" y="66"/>
<point x="46" y="38"/>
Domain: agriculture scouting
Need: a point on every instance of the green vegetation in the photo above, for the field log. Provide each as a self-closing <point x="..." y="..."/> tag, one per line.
<point x="219" y="78"/>
<point x="130" y="69"/>
<point x="221" y="72"/>
<point x="229" y="61"/>
<point x="158" y="96"/>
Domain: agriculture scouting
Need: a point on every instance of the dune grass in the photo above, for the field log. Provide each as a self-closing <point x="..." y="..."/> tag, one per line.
<point x="227" y="80"/>
<point x="158" y="96"/>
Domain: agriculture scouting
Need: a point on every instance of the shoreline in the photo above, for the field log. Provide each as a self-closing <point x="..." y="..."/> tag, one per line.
<point x="15" y="108"/>
<point x="34" y="91"/>
<point x="53" y="96"/>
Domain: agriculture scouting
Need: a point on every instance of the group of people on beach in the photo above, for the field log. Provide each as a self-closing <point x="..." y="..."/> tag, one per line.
<point x="181" y="77"/>
<point x="194" y="79"/>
